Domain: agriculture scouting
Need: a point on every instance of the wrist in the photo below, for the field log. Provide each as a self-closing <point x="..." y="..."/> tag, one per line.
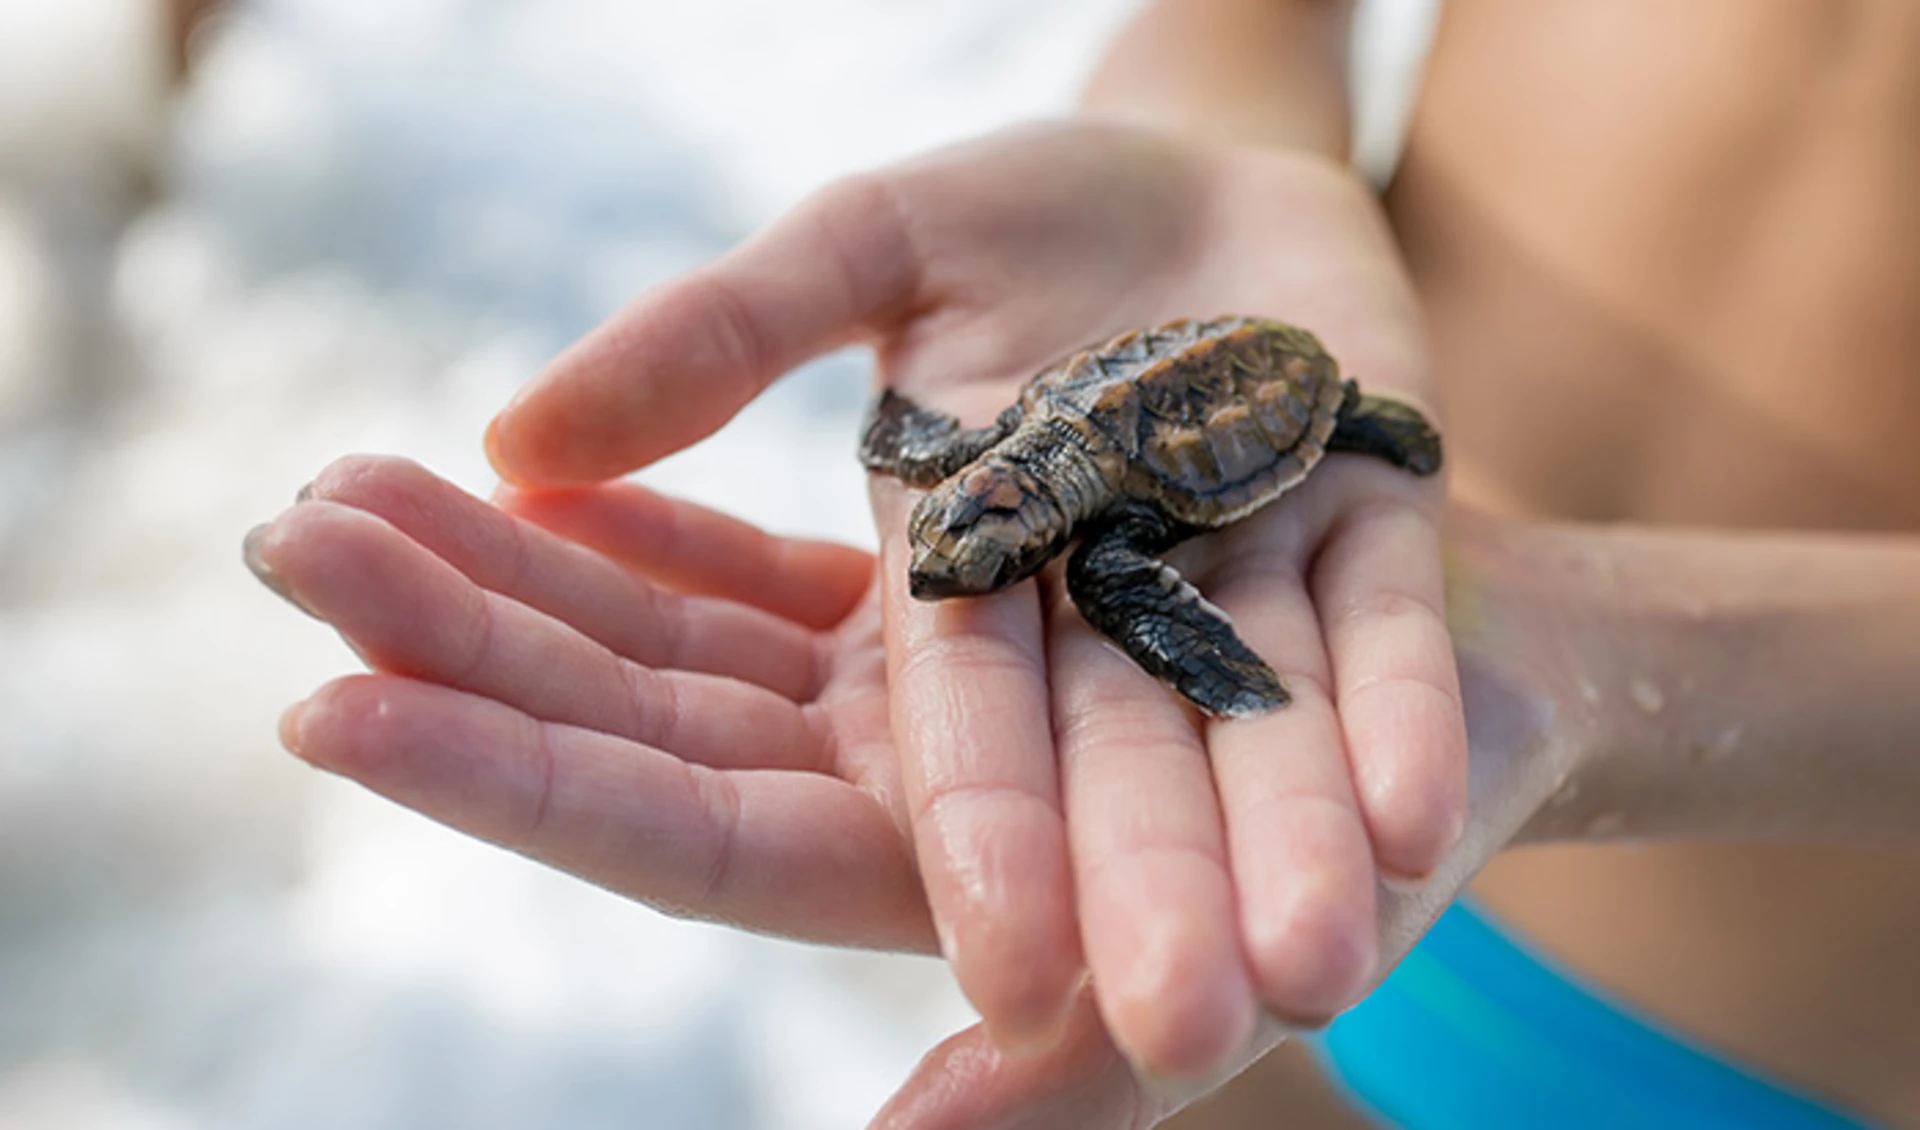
<point x="1526" y="637"/>
<point x="1241" y="71"/>
<point x="1743" y="687"/>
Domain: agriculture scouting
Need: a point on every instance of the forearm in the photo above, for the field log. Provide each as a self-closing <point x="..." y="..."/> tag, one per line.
<point x="1749" y="686"/>
<point x="1267" y="72"/>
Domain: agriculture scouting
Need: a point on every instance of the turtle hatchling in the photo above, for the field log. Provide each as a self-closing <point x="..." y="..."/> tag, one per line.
<point x="1128" y="448"/>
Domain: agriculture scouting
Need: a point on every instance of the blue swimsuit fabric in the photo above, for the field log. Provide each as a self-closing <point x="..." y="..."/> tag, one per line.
<point x="1473" y="1032"/>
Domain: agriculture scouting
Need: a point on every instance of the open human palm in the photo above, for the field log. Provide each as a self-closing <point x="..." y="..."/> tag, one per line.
<point x="798" y="746"/>
<point x="722" y="755"/>
<point x="643" y="704"/>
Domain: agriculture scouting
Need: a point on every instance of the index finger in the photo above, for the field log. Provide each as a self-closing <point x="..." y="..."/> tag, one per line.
<point x="971" y="718"/>
<point x="680" y="361"/>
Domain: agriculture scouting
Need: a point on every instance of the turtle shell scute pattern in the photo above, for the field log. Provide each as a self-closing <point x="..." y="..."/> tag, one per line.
<point x="1212" y="419"/>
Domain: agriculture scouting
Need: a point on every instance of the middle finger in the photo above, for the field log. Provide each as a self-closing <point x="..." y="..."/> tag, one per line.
<point x="1150" y="859"/>
<point x="588" y="590"/>
<point x="409" y="612"/>
<point x="968" y="683"/>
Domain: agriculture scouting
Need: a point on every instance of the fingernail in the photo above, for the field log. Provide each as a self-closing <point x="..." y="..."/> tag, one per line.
<point x="1039" y="1034"/>
<point x="1403" y="885"/>
<point x="1406" y="883"/>
<point x="504" y="493"/>
<point x="290" y="729"/>
<point x="495" y="447"/>
<point x="257" y="565"/>
<point x="1268" y="1032"/>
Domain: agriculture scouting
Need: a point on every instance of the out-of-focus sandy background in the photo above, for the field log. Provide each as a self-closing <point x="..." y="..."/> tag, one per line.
<point x="359" y="225"/>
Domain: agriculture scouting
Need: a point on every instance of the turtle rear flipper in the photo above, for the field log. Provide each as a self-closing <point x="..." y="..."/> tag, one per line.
<point x="1385" y="429"/>
<point x="1163" y="623"/>
<point x="921" y="446"/>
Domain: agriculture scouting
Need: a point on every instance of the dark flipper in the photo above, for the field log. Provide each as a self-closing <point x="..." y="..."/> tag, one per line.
<point x="921" y="446"/>
<point x="1387" y="429"/>
<point x="1162" y="621"/>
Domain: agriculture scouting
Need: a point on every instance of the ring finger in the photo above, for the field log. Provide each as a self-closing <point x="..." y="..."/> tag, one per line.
<point x="1302" y="863"/>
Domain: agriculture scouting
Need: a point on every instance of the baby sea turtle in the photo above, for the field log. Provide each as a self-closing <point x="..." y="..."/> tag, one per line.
<point x="1130" y="447"/>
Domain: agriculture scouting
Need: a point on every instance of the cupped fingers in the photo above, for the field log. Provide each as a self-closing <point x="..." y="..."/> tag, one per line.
<point x="692" y="549"/>
<point x="789" y="853"/>
<point x="968" y="684"/>
<point x="1379" y="586"/>
<point x="1302" y="863"/>
<point x="409" y="612"/>
<point x="595" y="595"/>
<point x="1153" y="882"/>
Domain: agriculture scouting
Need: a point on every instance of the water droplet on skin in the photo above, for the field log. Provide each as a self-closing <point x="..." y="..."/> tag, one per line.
<point x="1717" y="747"/>
<point x="1606" y="824"/>
<point x="1646" y="695"/>
<point x="1725" y="742"/>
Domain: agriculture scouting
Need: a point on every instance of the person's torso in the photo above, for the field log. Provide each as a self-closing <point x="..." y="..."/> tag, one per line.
<point x="1671" y="258"/>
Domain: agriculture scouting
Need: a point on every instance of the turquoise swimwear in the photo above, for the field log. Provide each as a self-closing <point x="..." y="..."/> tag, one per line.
<point x="1472" y="1032"/>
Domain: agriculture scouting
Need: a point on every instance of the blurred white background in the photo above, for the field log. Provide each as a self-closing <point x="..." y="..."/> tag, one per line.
<point x="359" y="225"/>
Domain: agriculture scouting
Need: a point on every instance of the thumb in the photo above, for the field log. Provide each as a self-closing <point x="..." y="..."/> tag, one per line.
<point x="678" y="362"/>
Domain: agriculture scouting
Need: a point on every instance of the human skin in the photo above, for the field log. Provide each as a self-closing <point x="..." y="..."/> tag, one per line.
<point x="1198" y="890"/>
<point x="521" y="667"/>
<point x="1700" y="426"/>
<point x="1661" y="254"/>
<point x="1622" y="684"/>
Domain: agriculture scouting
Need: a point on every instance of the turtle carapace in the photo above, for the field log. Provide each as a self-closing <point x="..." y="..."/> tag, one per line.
<point x="1127" y="448"/>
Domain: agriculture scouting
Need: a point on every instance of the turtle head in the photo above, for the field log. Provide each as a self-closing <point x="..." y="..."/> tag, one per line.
<point x="982" y="530"/>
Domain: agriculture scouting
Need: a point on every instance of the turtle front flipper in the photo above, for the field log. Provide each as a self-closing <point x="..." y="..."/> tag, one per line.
<point x="920" y="446"/>
<point x="1163" y="622"/>
<point x="1386" y="429"/>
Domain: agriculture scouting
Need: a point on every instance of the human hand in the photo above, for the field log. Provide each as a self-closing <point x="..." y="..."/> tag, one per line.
<point x="519" y="693"/>
<point x="667" y="702"/>
<point x="1535" y="636"/>
<point x="1067" y="813"/>
<point x="513" y="670"/>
